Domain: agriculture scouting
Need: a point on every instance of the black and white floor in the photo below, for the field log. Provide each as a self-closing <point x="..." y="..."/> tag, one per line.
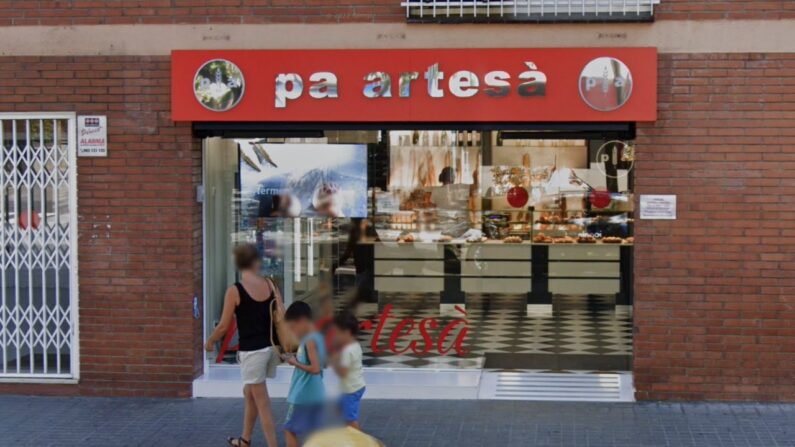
<point x="579" y="348"/>
<point x="575" y="333"/>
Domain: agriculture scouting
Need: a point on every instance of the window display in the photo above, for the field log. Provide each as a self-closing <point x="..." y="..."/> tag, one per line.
<point x="472" y="249"/>
<point x="303" y="180"/>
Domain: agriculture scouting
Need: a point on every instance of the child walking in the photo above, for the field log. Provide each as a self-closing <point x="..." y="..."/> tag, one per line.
<point x="349" y="367"/>
<point x="307" y="394"/>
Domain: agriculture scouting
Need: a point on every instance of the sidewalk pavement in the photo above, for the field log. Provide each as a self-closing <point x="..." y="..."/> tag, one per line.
<point x="64" y="421"/>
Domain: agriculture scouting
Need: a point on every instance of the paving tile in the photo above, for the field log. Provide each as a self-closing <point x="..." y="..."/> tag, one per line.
<point x="77" y="421"/>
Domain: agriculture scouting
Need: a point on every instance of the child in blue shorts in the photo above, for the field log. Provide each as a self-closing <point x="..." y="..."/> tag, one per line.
<point x="349" y="367"/>
<point x="307" y="394"/>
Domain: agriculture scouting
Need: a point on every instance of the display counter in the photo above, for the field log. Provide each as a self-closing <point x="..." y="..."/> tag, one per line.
<point x="409" y="267"/>
<point x="471" y="213"/>
<point x="457" y="268"/>
<point x="496" y="267"/>
<point x="585" y="269"/>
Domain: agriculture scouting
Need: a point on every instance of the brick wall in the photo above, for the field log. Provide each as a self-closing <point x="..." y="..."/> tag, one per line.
<point x="92" y="12"/>
<point x="138" y="277"/>
<point x="715" y="290"/>
<point x="725" y="9"/>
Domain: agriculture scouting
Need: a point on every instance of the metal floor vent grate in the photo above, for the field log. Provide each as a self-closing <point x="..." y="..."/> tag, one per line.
<point x="578" y="387"/>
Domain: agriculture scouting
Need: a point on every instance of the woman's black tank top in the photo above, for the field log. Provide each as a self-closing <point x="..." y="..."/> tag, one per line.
<point x="253" y="321"/>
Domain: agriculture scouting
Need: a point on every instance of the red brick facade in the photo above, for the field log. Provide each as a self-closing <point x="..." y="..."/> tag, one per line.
<point x="724" y="9"/>
<point x="715" y="294"/>
<point x="139" y="223"/>
<point x="94" y="12"/>
<point x="714" y="289"/>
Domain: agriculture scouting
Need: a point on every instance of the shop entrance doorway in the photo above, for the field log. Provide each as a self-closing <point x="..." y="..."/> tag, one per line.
<point x="502" y="250"/>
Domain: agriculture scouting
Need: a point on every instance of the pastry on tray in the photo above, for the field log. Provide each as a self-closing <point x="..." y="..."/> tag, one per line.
<point x="512" y="240"/>
<point x="406" y="238"/>
<point x="629" y="240"/>
<point x="612" y="240"/>
<point x="586" y="239"/>
<point x="563" y="240"/>
<point x="542" y="238"/>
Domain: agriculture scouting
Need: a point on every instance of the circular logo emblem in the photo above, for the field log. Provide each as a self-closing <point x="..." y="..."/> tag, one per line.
<point x="615" y="159"/>
<point x="605" y="84"/>
<point x="219" y="85"/>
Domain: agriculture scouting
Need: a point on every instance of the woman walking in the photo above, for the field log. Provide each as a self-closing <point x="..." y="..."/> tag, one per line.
<point x="250" y="301"/>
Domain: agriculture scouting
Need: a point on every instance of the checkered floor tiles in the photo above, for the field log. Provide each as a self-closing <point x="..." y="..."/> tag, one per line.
<point x="576" y="332"/>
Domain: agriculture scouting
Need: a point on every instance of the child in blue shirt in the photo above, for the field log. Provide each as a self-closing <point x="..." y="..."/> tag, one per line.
<point x="307" y="394"/>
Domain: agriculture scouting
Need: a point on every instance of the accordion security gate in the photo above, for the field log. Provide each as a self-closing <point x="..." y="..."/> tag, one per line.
<point x="38" y="259"/>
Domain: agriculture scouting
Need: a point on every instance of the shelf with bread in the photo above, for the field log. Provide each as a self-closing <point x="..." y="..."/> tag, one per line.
<point x="573" y="227"/>
<point x="536" y="218"/>
<point x="581" y="249"/>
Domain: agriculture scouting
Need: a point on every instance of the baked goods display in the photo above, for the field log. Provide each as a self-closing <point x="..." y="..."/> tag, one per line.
<point x="403" y="217"/>
<point x="572" y="222"/>
<point x="496" y="225"/>
<point x="550" y="219"/>
<point x="538" y="238"/>
<point x="417" y="220"/>
<point x="555" y="219"/>
<point x="417" y="199"/>
<point x="406" y="238"/>
<point x="562" y="221"/>
<point x="403" y="220"/>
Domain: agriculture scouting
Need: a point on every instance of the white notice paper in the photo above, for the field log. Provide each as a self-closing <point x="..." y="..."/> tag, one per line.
<point x="658" y="207"/>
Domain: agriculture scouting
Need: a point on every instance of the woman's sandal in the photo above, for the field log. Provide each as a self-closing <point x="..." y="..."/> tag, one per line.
<point x="237" y="442"/>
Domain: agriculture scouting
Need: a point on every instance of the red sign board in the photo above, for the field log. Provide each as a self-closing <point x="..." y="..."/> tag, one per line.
<point x="445" y="85"/>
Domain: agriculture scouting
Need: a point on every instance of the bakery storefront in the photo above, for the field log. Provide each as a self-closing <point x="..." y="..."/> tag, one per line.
<point x="474" y="208"/>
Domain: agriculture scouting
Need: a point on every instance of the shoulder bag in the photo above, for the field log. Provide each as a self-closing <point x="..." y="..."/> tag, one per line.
<point x="287" y="340"/>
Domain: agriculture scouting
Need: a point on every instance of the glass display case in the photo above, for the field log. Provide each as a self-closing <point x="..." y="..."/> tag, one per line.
<point x="530" y="191"/>
<point x="588" y="219"/>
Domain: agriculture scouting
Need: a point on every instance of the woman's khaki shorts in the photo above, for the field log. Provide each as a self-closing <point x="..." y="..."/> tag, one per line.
<point x="257" y="366"/>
